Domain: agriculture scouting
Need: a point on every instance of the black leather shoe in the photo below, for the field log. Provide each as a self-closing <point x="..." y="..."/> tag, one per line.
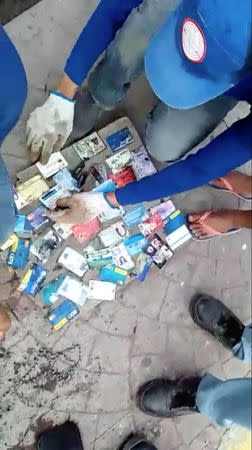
<point x="213" y="316"/>
<point x="168" y="398"/>
<point x="137" y="443"/>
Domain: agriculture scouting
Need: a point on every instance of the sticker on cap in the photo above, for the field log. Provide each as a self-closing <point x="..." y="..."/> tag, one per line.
<point x="193" y="41"/>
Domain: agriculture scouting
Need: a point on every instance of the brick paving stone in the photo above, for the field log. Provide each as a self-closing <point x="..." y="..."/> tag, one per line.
<point x="229" y="273"/>
<point x="5" y="290"/>
<point x="168" y="436"/>
<point x="239" y="297"/>
<point x="180" y="351"/>
<point x="190" y="426"/>
<point x="73" y="395"/>
<point x="150" y="336"/>
<point x="198" y="248"/>
<point x="208" y="439"/>
<point x="235" y="368"/>
<point x="112" y="433"/>
<point x="176" y="305"/>
<point x="114" y="318"/>
<point x="78" y="333"/>
<point x="109" y="393"/>
<point x="205" y="349"/>
<point x="110" y="354"/>
<point x="231" y="247"/>
<point x="6" y="274"/>
<point x="146" y="297"/>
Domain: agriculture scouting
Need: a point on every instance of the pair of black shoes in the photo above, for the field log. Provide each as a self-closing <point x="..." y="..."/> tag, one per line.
<point x="170" y="398"/>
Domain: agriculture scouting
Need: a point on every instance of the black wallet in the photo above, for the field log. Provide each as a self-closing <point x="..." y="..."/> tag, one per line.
<point x="63" y="437"/>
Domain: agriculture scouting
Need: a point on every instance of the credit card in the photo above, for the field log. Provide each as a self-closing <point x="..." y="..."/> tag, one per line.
<point x="73" y="261"/>
<point x="33" y="280"/>
<point x="113" y="274"/>
<point x="150" y="225"/>
<point x="38" y="219"/>
<point x="51" y="197"/>
<point x="63" y="314"/>
<point x="55" y="163"/>
<point x="19" y="253"/>
<point x="101" y="290"/>
<point x="119" y="139"/>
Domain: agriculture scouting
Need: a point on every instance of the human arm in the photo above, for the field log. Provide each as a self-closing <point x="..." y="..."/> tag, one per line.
<point x="50" y="125"/>
<point x="228" y="151"/>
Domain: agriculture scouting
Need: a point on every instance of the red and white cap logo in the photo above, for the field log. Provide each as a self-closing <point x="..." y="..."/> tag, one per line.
<point x="193" y="41"/>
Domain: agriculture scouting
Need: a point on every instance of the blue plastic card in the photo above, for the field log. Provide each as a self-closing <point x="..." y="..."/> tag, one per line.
<point x="38" y="219"/>
<point x="63" y="314"/>
<point x="49" y="291"/>
<point x="135" y="243"/>
<point x="23" y="227"/>
<point x="66" y="181"/>
<point x="19" y="253"/>
<point x="113" y="274"/>
<point x="143" y="265"/>
<point x="120" y="139"/>
<point x="33" y="279"/>
<point x="174" y="221"/>
<point x="134" y="216"/>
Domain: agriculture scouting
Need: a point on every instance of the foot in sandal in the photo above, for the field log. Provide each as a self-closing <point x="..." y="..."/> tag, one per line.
<point x="211" y="223"/>
<point x="235" y="182"/>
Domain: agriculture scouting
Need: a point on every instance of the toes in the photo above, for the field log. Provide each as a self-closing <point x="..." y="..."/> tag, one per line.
<point x="194" y="217"/>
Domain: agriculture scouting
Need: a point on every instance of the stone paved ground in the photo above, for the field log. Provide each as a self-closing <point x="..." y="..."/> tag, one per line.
<point x="147" y="332"/>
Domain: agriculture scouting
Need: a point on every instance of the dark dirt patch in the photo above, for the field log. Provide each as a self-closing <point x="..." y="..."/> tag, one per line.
<point x="12" y="8"/>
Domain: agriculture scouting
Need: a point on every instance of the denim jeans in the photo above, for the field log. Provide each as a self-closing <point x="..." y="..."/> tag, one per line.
<point x="228" y="402"/>
<point x="170" y="133"/>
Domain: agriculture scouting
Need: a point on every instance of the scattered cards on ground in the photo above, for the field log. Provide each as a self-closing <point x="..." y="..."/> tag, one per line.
<point x="85" y="231"/>
<point x="99" y="258"/>
<point x="112" y="235"/>
<point x="73" y="290"/>
<point x="19" y="253"/>
<point x="38" y="219"/>
<point x="120" y="160"/>
<point x="50" y="198"/>
<point x="42" y="247"/>
<point x="89" y="146"/>
<point x="122" y="258"/>
<point x="119" y="139"/>
<point x="29" y="191"/>
<point x="49" y="292"/>
<point x="150" y="225"/>
<point x="142" y="164"/>
<point x="63" y="314"/>
<point x="113" y="274"/>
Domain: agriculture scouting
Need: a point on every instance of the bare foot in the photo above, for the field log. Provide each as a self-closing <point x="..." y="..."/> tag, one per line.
<point x="241" y="183"/>
<point x="221" y="221"/>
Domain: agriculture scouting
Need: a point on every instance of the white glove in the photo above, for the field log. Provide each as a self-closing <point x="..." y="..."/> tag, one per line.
<point x="49" y="126"/>
<point x="83" y="207"/>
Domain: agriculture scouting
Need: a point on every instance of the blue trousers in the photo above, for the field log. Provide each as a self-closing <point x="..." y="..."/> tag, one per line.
<point x="13" y="91"/>
<point x="228" y="402"/>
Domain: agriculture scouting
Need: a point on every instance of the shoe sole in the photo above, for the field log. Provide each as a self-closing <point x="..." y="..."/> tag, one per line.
<point x="134" y="441"/>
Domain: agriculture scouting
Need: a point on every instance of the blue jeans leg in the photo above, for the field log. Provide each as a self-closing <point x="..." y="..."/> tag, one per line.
<point x="7" y="205"/>
<point x="243" y="350"/>
<point x="172" y="133"/>
<point x="123" y="60"/>
<point x="225" y="402"/>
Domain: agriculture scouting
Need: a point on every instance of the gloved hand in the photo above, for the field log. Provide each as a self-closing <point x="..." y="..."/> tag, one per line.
<point x="49" y="126"/>
<point x="81" y="208"/>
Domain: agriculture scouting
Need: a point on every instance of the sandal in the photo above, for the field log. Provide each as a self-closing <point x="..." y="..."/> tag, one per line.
<point x="229" y="188"/>
<point x="202" y="221"/>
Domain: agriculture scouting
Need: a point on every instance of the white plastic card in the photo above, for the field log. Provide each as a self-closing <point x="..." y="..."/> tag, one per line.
<point x="101" y="290"/>
<point x="56" y="163"/>
<point x="73" y="261"/>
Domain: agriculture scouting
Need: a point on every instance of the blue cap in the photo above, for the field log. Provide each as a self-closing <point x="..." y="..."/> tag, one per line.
<point x="203" y="50"/>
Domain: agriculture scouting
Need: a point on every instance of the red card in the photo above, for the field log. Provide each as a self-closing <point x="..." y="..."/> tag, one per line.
<point x="123" y="177"/>
<point x="84" y="231"/>
<point x="149" y="226"/>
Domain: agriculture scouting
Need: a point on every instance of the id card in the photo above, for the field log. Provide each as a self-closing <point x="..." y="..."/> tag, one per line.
<point x="23" y="227"/>
<point x="143" y="265"/>
<point x="142" y="164"/>
<point x="51" y="197"/>
<point x="101" y="290"/>
<point x="73" y="290"/>
<point x="49" y="292"/>
<point x="42" y="247"/>
<point x="178" y="237"/>
<point x="63" y="230"/>
<point x="135" y="215"/>
<point x="158" y="251"/>
<point x="33" y="280"/>
<point x="85" y="231"/>
<point x="89" y="146"/>
<point x="38" y="219"/>
<point x="120" y="160"/>
<point x="55" y="163"/>
<point x="19" y="253"/>
<point x="113" y="234"/>
<point x="29" y="191"/>
<point x="63" y="314"/>
<point x="135" y="243"/>
<point x="66" y="181"/>
<point x="99" y="258"/>
<point x="73" y="261"/>
<point x="119" y="139"/>
<point x="122" y="258"/>
<point x="113" y="274"/>
<point x="163" y="209"/>
<point x="150" y="225"/>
